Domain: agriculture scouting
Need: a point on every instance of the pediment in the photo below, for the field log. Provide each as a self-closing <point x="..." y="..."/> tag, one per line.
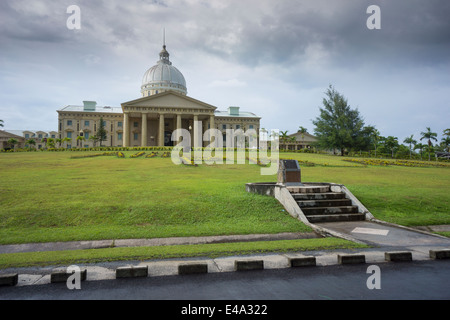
<point x="167" y="100"/>
<point x="303" y="137"/>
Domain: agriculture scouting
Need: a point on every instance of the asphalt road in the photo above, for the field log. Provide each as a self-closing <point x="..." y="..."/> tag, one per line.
<point x="417" y="280"/>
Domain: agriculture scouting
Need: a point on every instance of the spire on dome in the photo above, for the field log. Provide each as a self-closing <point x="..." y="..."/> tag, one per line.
<point x="164" y="54"/>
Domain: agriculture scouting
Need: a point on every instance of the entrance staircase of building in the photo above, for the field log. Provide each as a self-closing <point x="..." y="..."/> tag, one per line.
<point x="320" y="204"/>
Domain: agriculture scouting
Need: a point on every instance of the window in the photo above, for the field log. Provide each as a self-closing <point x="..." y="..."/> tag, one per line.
<point x="250" y="126"/>
<point x="69" y="134"/>
<point x="136" y="136"/>
<point x="86" y="123"/>
<point x="69" y="122"/>
<point x="135" y="124"/>
<point x="86" y="146"/>
<point x="53" y="136"/>
<point x="27" y="135"/>
<point x="40" y="135"/>
<point x="119" y="136"/>
<point x="238" y="126"/>
<point x="104" y="123"/>
<point x="119" y="124"/>
<point x="86" y="135"/>
<point x="224" y="126"/>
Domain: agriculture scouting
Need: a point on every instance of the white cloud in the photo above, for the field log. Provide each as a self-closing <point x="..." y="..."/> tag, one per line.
<point x="276" y="59"/>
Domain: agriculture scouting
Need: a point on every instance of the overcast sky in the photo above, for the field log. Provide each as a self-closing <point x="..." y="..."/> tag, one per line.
<point x="273" y="58"/>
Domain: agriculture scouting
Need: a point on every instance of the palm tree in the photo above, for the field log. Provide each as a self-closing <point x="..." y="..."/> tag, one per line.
<point x="391" y="143"/>
<point x="66" y="139"/>
<point x="50" y="142"/>
<point x="94" y="139"/>
<point x="59" y="141"/>
<point x="445" y="143"/>
<point x="302" y="129"/>
<point x="1" y="123"/>
<point x="81" y="139"/>
<point x="375" y="137"/>
<point x="30" y="142"/>
<point x="430" y="136"/>
<point x="12" y="142"/>
<point x="419" y="146"/>
<point x="447" y="132"/>
<point x="410" y="141"/>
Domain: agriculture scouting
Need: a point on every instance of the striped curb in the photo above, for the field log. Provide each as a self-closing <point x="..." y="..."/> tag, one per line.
<point x="11" y="279"/>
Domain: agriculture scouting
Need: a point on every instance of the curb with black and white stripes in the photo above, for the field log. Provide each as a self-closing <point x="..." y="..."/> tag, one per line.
<point x="227" y="264"/>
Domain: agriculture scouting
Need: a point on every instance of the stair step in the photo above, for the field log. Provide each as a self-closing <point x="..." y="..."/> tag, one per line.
<point x="329" y="210"/>
<point x="336" y="217"/>
<point x="318" y="196"/>
<point x="308" y="189"/>
<point x="324" y="203"/>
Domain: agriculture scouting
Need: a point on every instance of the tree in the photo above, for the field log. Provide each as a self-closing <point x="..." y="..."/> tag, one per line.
<point x="302" y="129"/>
<point x="391" y="143"/>
<point x="367" y="138"/>
<point x="420" y="146"/>
<point x="374" y="138"/>
<point x="101" y="132"/>
<point x="12" y="142"/>
<point x="1" y="123"/>
<point x="81" y="139"/>
<point x="30" y="142"/>
<point x="429" y="135"/>
<point x="59" y="141"/>
<point x="50" y="142"/>
<point x="447" y="132"/>
<point x="283" y="136"/>
<point x="410" y="141"/>
<point x="445" y="143"/>
<point x="94" y="139"/>
<point x="66" y="139"/>
<point x="338" y="126"/>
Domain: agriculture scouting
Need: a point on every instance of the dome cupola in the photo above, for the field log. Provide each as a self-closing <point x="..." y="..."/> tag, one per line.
<point x="163" y="77"/>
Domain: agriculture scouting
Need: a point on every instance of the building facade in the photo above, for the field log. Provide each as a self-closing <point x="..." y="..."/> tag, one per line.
<point x="298" y="141"/>
<point x="24" y="136"/>
<point x="150" y="120"/>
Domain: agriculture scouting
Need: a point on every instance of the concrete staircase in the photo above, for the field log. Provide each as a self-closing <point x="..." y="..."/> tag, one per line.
<point x="320" y="204"/>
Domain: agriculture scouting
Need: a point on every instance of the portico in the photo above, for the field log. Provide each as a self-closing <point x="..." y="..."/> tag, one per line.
<point x="150" y="121"/>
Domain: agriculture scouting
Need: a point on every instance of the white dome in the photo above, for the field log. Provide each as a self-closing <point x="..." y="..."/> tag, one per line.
<point x="163" y="77"/>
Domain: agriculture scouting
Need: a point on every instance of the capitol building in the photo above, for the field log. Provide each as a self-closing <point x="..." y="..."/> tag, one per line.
<point x="150" y="120"/>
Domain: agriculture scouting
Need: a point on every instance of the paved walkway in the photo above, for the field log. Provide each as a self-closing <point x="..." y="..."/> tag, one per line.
<point x="98" y="244"/>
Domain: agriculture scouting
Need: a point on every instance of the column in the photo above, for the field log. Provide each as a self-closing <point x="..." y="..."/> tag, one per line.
<point x="178" y="126"/>
<point x="144" y="130"/>
<point x="161" y="131"/>
<point x="212" y="126"/>
<point x="126" y="136"/>
<point x="196" y="132"/>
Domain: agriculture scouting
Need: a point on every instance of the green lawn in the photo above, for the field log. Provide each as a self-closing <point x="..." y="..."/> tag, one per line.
<point x="49" y="196"/>
<point x="410" y="196"/>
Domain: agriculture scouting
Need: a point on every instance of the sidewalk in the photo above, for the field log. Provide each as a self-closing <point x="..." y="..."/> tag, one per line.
<point x="98" y="244"/>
